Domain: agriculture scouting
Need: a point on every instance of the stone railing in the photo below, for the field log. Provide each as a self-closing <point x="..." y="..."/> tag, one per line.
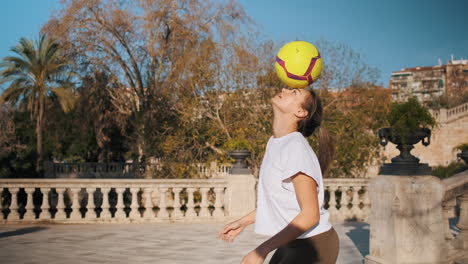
<point x="141" y="200"/>
<point x="99" y="200"/>
<point x="213" y="170"/>
<point x="447" y="115"/>
<point x="455" y="203"/>
<point x="91" y="170"/>
<point x="347" y="199"/>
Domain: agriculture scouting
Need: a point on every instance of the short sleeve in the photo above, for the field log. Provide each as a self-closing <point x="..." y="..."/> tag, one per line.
<point x="296" y="158"/>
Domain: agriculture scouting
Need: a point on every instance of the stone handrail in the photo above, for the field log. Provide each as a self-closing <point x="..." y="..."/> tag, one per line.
<point x="456" y="196"/>
<point x="91" y="170"/>
<point x="447" y="115"/>
<point x="214" y="169"/>
<point x="167" y="195"/>
<point x="82" y="200"/>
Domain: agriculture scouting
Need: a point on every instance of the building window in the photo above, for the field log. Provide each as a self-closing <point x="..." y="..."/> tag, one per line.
<point x="441" y="83"/>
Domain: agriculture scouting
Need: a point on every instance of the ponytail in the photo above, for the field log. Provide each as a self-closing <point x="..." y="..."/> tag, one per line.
<point x="312" y="122"/>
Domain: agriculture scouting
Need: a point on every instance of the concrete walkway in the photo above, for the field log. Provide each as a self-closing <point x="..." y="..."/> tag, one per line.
<point x="161" y="243"/>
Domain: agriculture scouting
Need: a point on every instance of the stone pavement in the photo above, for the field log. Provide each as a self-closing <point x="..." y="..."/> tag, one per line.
<point x="162" y="243"/>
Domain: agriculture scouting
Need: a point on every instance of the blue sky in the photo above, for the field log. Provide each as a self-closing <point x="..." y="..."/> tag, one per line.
<point x="390" y="35"/>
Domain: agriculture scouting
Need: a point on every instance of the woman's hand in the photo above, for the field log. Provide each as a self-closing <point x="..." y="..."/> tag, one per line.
<point x="231" y="230"/>
<point x="254" y="257"/>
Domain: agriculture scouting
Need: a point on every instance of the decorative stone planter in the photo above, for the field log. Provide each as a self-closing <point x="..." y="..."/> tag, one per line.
<point x="405" y="163"/>
<point x="463" y="155"/>
<point x="239" y="167"/>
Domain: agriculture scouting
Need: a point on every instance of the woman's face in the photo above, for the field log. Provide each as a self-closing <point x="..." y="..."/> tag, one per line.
<point x="291" y="101"/>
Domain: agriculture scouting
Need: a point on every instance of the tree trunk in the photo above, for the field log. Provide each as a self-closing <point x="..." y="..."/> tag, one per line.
<point x="39" y="136"/>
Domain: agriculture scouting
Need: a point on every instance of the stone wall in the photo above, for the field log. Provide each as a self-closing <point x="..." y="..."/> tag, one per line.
<point x="452" y="131"/>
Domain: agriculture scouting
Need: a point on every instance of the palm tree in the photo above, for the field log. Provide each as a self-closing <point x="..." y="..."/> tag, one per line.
<point x="37" y="76"/>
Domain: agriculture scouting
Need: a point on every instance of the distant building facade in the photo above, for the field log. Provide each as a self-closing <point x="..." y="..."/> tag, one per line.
<point x="428" y="83"/>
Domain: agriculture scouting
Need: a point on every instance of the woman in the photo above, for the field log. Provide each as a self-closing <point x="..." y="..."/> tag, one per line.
<point x="290" y="189"/>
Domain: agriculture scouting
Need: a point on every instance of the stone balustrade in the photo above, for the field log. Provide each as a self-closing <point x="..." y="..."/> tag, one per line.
<point x="444" y="115"/>
<point x="91" y="170"/>
<point x="154" y="200"/>
<point x="347" y="199"/>
<point x="455" y="203"/>
<point x="213" y="170"/>
<point x="116" y="200"/>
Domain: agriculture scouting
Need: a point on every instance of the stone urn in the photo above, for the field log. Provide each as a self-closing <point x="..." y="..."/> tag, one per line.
<point x="405" y="163"/>
<point x="240" y="166"/>
<point x="463" y="155"/>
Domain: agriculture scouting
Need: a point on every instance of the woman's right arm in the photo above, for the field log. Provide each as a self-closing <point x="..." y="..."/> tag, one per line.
<point x="249" y="218"/>
<point x="233" y="229"/>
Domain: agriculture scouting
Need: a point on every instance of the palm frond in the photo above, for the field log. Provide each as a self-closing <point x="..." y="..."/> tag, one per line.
<point x="66" y="98"/>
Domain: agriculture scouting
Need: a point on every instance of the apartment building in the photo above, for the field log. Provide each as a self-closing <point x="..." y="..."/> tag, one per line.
<point x="428" y="83"/>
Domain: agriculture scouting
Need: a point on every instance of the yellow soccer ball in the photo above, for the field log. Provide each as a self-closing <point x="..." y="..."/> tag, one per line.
<point x="298" y="64"/>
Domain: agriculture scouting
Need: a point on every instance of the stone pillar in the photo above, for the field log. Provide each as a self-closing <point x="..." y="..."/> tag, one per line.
<point x="91" y="213"/>
<point x="218" y="211"/>
<point x="105" y="206"/>
<point x="148" y="214"/>
<point x="14" y="214"/>
<point x="240" y="195"/>
<point x="120" y="214"/>
<point x="407" y="224"/>
<point x="461" y="242"/>
<point x="332" y="203"/>
<point x="134" y="213"/>
<point x="162" y="214"/>
<point x="177" y="213"/>
<point x="190" y="213"/>
<point x="75" y="213"/>
<point x="60" y="214"/>
<point x="29" y="214"/>
<point x="45" y="213"/>
<point x="204" y="212"/>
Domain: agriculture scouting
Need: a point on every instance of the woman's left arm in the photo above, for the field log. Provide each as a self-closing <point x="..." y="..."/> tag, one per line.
<point x="306" y="195"/>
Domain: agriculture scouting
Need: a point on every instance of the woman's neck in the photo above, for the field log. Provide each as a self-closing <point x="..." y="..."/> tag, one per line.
<point x="283" y="125"/>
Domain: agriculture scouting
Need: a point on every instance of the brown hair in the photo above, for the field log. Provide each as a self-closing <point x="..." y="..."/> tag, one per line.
<point x="312" y="122"/>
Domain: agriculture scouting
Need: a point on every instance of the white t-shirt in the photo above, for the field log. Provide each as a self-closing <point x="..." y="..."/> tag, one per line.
<point x="276" y="199"/>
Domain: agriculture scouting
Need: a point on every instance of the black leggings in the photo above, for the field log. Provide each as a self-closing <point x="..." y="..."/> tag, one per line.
<point x="322" y="248"/>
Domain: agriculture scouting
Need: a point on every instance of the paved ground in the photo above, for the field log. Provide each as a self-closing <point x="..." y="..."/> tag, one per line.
<point x="148" y="243"/>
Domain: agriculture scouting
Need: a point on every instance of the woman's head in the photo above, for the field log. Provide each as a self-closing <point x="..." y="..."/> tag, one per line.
<point x="304" y="107"/>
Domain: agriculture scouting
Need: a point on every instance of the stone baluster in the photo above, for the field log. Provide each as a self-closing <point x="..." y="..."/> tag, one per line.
<point x="60" y="214"/>
<point x="355" y="210"/>
<point x="134" y="213"/>
<point x="345" y="200"/>
<point x="461" y="242"/>
<point x="190" y="213"/>
<point x="204" y="212"/>
<point x="14" y="214"/>
<point x="29" y="214"/>
<point x="163" y="214"/>
<point x="448" y="209"/>
<point x="105" y="213"/>
<point x="120" y="206"/>
<point x="177" y="213"/>
<point x="367" y="204"/>
<point x="75" y="213"/>
<point x="334" y="214"/>
<point x="148" y="213"/>
<point x="45" y="207"/>
<point x="91" y="213"/>
<point x="218" y="211"/>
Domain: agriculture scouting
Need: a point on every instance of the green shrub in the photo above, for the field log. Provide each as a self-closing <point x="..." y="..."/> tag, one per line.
<point x="406" y="117"/>
<point x="449" y="170"/>
<point x="462" y="147"/>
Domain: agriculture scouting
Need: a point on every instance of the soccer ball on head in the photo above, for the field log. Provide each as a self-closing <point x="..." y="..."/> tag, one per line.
<point x="298" y="64"/>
